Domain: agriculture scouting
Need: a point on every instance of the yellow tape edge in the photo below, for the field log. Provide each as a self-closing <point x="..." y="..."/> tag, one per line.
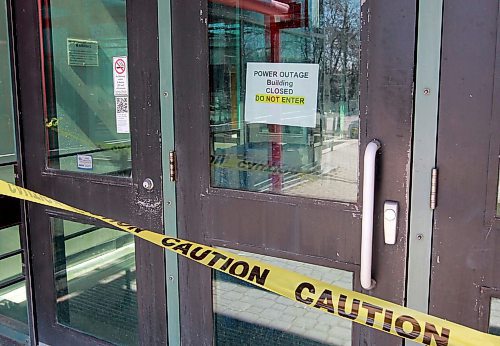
<point x="355" y="306"/>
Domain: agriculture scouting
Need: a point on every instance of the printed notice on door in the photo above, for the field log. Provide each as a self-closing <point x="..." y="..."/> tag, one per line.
<point x="82" y="52"/>
<point x="281" y="93"/>
<point x="120" y="75"/>
<point x="122" y="114"/>
<point x="120" y="86"/>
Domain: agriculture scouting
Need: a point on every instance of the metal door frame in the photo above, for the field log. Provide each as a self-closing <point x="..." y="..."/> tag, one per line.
<point x="143" y="57"/>
<point x="466" y="235"/>
<point x="169" y="186"/>
<point x="24" y="241"/>
<point x="386" y="84"/>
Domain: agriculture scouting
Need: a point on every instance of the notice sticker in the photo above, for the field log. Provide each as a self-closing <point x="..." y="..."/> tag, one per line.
<point x="84" y="162"/>
<point x="120" y="76"/>
<point x="283" y="94"/>
<point x="122" y="114"/>
<point x="82" y="52"/>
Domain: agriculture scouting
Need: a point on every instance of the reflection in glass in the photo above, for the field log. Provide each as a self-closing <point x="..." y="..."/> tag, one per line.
<point x="95" y="281"/>
<point x="246" y="312"/>
<point x="7" y="142"/>
<point x="14" y="311"/>
<point x="289" y="150"/>
<point x="498" y="195"/>
<point x="7" y="173"/>
<point x="13" y="303"/>
<point x="85" y="113"/>
<point x="495" y="317"/>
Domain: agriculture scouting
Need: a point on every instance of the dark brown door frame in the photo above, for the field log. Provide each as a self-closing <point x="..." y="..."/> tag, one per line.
<point x="466" y="236"/>
<point x="388" y="100"/>
<point x="14" y="212"/>
<point x="122" y="199"/>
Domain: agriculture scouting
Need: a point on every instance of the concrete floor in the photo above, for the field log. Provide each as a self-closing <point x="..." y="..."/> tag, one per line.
<point x="245" y="312"/>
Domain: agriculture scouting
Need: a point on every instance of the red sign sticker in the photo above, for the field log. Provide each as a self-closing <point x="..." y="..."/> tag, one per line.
<point x="120" y="66"/>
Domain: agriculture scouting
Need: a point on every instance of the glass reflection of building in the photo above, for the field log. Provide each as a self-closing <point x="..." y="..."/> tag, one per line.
<point x="320" y="32"/>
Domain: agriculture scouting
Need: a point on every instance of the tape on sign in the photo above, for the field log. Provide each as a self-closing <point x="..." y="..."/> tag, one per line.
<point x="355" y="306"/>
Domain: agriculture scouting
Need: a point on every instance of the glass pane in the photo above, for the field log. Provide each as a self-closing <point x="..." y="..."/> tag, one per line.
<point x="14" y="311"/>
<point x="95" y="281"/>
<point x="87" y="86"/>
<point x="13" y="304"/>
<point x="7" y="173"/>
<point x="495" y="316"/>
<point x="498" y="195"/>
<point x="284" y="107"/>
<point x="11" y="267"/>
<point x="246" y="312"/>
<point x="7" y="142"/>
<point x="10" y="240"/>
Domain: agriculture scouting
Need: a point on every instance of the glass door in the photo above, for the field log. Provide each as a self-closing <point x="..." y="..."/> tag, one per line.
<point x="297" y="91"/>
<point x="91" y="132"/>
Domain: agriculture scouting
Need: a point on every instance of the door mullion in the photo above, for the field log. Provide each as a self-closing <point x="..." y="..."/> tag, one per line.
<point x="424" y="152"/>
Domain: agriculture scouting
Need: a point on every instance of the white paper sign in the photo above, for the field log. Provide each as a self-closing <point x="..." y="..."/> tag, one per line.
<point x="122" y="114"/>
<point x="283" y="94"/>
<point x="82" y="52"/>
<point x="120" y="75"/>
<point x="84" y="161"/>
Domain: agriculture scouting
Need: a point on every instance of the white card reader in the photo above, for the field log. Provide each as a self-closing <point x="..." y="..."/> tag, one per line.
<point x="390" y="221"/>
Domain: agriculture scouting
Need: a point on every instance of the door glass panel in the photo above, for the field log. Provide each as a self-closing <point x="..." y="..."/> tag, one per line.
<point x="284" y="106"/>
<point x="86" y="69"/>
<point x="246" y="312"/>
<point x="13" y="304"/>
<point x="7" y="142"/>
<point x="14" y="311"/>
<point x="10" y="239"/>
<point x="95" y="281"/>
<point x="495" y="316"/>
<point x="11" y="267"/>
<point x="498" y="194"/>
<point x="7" y="173"/>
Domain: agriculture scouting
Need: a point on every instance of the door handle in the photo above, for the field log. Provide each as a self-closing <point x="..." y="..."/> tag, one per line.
<point x="367" y="219"/>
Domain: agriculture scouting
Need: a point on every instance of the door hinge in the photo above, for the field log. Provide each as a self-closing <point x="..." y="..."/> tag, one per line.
<point x="434" y="183"/>
<point x="172" y="160"/>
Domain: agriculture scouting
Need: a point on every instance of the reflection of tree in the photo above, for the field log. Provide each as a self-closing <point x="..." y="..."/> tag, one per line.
<point x="340" y="61"/>
<point x="332" y="41"/>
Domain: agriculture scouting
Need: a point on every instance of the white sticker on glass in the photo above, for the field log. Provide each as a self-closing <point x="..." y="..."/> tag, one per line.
<point x="122" y="114"/>
<point x="82" y="52"/>
<point x="84" y="162"/>
<point x="281" y="93"/>
<point x="120" y="76"/>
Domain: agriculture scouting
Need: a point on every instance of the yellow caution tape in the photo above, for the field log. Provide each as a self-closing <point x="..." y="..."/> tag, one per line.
<point x="54" y="123"/>
<point x="234" y="162"/>
<point x="243" y="164"/>
<point x="357" y="307"/>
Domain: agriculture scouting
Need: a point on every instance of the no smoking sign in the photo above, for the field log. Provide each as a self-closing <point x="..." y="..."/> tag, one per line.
<point x="120" y="66"/>
<point x="120" y="76"/>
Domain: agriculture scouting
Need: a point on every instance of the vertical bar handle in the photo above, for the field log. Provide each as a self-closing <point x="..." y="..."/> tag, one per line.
<point x="367" y="220"/>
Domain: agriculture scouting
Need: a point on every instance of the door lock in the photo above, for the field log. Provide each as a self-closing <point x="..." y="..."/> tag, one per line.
<point x="148" y="184"/>
<point x="390" y="221"/>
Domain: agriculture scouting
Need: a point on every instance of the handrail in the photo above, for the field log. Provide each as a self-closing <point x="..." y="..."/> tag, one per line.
<point x="367" y="220"/>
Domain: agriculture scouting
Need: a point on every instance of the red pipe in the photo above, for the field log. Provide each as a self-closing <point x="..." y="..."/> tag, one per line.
<point x="267" y="7"/>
